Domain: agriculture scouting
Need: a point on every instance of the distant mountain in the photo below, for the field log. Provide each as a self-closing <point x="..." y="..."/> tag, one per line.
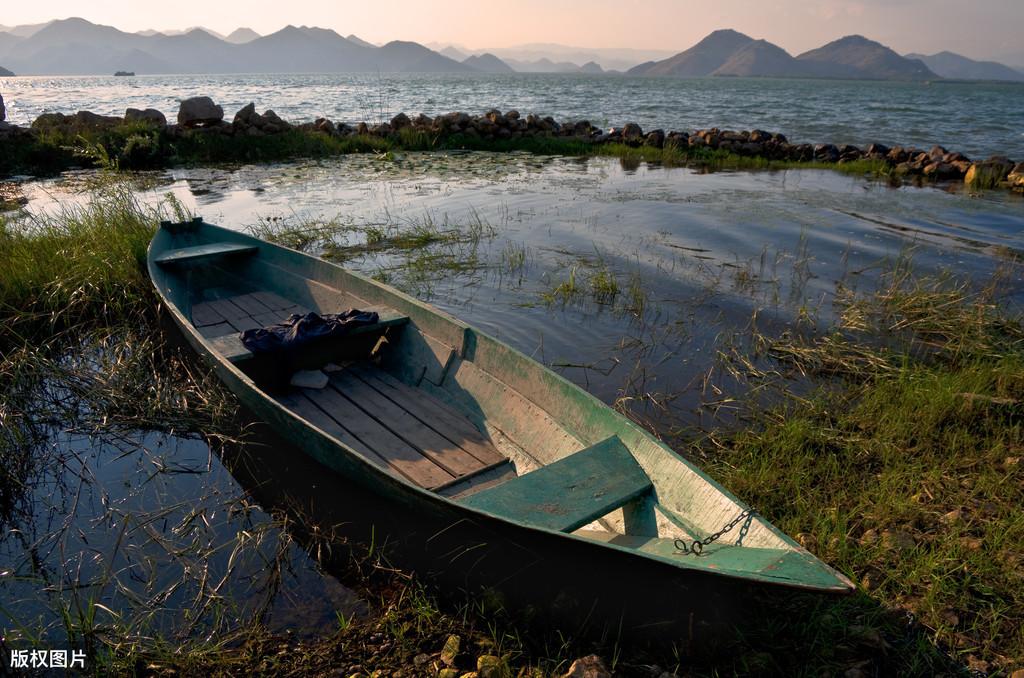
<point x="4" y="73"/>
<point x="702" y="59"/>
<point x="25" y="30"/>
<point x="950" y="65"/>
<point x="592" y="67"/>
<point x="487" y="63"/>
<point x="760" y="58"/>
<point x="729" y="53"/>
<point x="353" y="38"/>
<point x="857" y="57"/>
<point x="453" y="53"/>
<point x="543" y="66"/>
<point x="240" y="36"/>
<point x="76" y="46"/>
<point x="608" y="58"/>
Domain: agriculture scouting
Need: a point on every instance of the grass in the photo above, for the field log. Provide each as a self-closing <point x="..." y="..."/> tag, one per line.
<point x="903" y="469"/>
<point x="133" y="146"/>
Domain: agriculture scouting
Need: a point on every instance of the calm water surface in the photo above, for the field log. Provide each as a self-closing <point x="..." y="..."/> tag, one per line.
<point x="979" y="119"/>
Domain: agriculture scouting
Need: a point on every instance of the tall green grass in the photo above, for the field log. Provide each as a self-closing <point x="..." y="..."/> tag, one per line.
<point x="903" y="469"/>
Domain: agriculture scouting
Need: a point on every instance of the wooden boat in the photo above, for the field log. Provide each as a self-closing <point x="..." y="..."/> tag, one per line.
<point x="448" y="421"/>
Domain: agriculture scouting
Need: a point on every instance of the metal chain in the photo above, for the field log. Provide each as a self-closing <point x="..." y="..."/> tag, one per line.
<point x="697" y="545"/>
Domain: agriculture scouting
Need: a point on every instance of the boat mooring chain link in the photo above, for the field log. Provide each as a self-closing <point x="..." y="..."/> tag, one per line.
<point x="696" y="546"/>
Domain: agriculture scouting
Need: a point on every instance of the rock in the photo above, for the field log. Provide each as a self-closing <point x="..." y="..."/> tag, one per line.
<point x="869" y="537"/>
<point x="871" y="580"/>
<point x="1015" y="177"/>
<point x="199" y="112"/>
<point x="246" y="115"/>
<point x="866" y="636"/>
<point x="150" y="116"/>
<point x="988" y="173"/>
<point x="976" y="665"/>
<point x="655" y="138"/>
<point x="807" y="540"/>
<point x="3" y="110"/>
<point x="971" y="543"/>
<point x="952" y="517"/>
<point x="420" y="659"/>
<point x="898" y="540"/>
<point x="677" y="140"/>
<point x="937" y="153"/>
<point x="877" y="151"/>
<point x="582" y="128"/>
<point x="590" y="666"/>
<point x="422" y="121"/>
<point x="400" y="121"/>
<point x="448" y="673"/>
<point x="451" y="649"/>
<point x="632" y="133"/>
<point x="941" y="171"/>
<point x="1019" y="673"/>
<point x="324" y="125"/>
<point x="489" y="666"/>
<point x="94" y="120"/>
<point x="826" y="153"/>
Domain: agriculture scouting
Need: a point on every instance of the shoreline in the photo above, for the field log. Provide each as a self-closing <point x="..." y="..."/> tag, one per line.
<point x="144" y="139"/>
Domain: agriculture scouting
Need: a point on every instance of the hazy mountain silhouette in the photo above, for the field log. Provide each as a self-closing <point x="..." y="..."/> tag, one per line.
<point x="352" y="37"/>
<point x="4" y="73"/>
<point x="487" y="63"/>
<point x="729" y="53"/>
<point x="702" y="59"/>
<point x="76" y="46"/>
<point x="240" y="36"/>
<point x="857" y="57"/>
<point x="761" y="58"/>
<point x="950" y="65"/>
<point x="453" y="53"/>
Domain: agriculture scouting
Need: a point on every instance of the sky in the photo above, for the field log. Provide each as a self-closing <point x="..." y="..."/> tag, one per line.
<point x="979" y="28"/>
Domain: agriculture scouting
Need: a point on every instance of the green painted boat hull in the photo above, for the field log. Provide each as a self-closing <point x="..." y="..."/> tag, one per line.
<point x="536" y="416"/>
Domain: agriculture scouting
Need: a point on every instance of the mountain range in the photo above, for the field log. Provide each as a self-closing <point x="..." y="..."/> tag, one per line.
<point x="729" y="53"/>
<point x="77" y="47"/>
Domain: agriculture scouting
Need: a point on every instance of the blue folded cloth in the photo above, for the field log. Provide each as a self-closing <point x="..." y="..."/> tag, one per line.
<point x="298" y="331"/>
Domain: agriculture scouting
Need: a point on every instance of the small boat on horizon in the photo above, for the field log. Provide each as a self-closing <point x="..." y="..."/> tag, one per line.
<point x="447" y="421"/>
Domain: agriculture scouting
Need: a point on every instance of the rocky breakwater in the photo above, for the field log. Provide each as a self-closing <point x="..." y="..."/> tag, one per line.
<point x="200" y="116"/>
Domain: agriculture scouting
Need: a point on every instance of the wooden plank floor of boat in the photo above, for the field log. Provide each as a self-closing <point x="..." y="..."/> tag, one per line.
<point x="402" y="429"/>
<point x="398" y="427"/>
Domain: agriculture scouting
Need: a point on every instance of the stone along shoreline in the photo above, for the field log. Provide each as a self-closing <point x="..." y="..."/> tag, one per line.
<point x="140" y="137"/>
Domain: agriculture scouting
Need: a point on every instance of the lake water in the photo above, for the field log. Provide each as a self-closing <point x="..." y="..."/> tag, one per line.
<point x="978" y="119"/>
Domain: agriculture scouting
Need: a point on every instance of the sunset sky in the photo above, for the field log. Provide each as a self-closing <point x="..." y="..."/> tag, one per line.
<point x="980" y="29"/>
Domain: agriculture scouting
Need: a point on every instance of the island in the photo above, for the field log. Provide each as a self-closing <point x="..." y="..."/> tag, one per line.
<point x="124" y="74"/>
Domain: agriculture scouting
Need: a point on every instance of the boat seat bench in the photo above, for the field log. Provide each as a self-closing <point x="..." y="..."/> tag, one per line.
<point x="204" y="253"/>
<point x="571" y="492"/>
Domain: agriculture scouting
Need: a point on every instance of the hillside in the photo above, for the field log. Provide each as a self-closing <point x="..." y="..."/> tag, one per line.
<point x="857" y="57"/>
<point x="950" y="65"/>
<point x="487" y="63"/>
<point x="760" y="59"/>
<point x="4" y="73"/>
<point x="78" y="47"/>
<point x="702" y="59"/>
<point x="240" y="36"/>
